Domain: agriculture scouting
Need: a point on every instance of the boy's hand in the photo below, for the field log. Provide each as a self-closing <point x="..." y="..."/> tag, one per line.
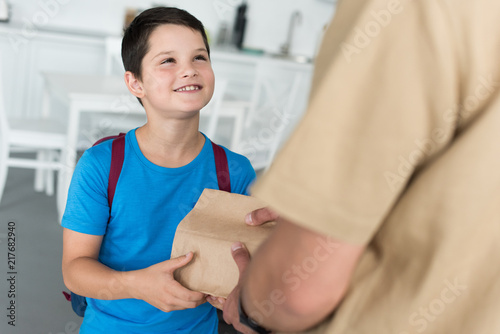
<point x="156" y="285"/>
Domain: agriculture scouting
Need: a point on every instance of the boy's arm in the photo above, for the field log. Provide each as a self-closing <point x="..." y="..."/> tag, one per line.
<point x="85" y="275"/>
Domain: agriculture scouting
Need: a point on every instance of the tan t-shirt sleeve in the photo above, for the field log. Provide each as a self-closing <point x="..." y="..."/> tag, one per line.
<point x="382" y="103"/>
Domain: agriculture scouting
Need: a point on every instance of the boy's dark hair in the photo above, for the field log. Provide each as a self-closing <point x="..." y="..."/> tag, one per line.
<point x="135" y="39"/>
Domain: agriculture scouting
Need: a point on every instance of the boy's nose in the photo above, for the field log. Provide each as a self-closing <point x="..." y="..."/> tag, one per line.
<point x="189" y="71"/>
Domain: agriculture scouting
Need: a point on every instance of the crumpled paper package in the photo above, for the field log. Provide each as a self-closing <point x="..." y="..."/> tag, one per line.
<point x="209" y="230"/>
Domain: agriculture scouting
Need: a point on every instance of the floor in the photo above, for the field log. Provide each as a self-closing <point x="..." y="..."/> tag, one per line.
<point x="36" y="285"/>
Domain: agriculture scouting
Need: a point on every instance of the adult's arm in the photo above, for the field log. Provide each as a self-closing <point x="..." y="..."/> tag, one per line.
<point x="310" y="275"/>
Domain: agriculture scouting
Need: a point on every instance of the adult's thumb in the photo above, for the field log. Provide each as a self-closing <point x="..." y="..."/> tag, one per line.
<point x="261" y="216"/>
<point x="240" y="255"/>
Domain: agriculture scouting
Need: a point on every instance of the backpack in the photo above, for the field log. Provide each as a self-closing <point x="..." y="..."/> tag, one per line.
<point x="79" y="303"/>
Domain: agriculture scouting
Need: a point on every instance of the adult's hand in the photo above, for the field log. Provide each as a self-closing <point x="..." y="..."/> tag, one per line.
<point x="230" y="308"/>
<point x="261" y="216"/>
<point x="217" y="302"/>
<point x="241" y="256"/>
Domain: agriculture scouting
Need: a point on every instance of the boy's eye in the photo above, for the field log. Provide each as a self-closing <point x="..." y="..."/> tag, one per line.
<point x="200" y="57"/>
<point x="168" y="60"/>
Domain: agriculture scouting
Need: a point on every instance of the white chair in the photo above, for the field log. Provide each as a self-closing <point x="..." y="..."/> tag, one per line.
<point x="213" y="109"/>
<point x="222" y="120"/>
<point x="42" y="143"/>
<point x="272" y="113"/>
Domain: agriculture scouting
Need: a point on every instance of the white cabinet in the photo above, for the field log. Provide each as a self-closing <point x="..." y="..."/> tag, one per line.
<point x="243" y="72"/>
<point x="277" y="91"/>
<point x="25" y="56"/>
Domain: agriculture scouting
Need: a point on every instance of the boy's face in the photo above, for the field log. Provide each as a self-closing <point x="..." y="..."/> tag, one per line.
<point x="177" y="78"/>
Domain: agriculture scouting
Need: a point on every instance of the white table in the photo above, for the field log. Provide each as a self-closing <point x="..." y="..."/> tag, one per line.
<point x="84" y="94"/>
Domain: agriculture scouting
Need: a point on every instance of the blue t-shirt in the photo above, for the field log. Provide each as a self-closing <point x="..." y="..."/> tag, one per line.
<point x="149" y="203"/>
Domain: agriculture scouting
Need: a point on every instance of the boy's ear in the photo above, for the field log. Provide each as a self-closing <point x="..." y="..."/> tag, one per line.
<point x="134" y="85"/>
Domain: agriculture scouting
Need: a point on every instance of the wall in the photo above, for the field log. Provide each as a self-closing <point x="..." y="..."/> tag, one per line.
<point x="267" y="27"/>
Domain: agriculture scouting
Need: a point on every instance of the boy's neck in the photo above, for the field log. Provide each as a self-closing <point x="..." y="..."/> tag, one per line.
<point x="173" y="144"/>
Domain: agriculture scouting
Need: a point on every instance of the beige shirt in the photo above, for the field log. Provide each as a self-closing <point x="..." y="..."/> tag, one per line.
<point x="400" y="150"/>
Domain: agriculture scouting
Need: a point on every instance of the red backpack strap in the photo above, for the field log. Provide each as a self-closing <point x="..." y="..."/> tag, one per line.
<point x="108" y="138"/>
<point x="222" y="168"/>
<point x="117" y="156"/>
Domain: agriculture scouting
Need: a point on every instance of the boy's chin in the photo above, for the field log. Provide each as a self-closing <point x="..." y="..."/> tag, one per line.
<point x="193" y="108"/>
<point x="190" y="113"/>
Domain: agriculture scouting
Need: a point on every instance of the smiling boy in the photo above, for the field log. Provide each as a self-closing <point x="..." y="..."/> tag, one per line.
<point x="120" y="258"/>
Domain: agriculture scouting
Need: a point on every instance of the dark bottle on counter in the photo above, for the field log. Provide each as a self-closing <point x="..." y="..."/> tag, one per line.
<point x="239" y="25"/>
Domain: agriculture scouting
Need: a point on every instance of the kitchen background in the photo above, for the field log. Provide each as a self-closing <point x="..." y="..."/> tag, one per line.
<point x="69" y="35"/>
<point x="266" y="29"/>
<point x="43" y="42"/>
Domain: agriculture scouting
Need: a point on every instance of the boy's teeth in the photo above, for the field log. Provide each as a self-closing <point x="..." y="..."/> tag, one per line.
<point x="187" y="88"/>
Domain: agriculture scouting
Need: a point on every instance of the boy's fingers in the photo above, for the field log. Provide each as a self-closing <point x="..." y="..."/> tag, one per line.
<point x="179" y="262"/>
<point x="180" y="292"/>
<point x="261" y="216"/>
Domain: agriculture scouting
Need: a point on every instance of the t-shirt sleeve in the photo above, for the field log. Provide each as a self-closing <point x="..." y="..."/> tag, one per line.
<point x="87" y="209"/>
<point x="241" y="173"/>
<point x="381" y="104"/>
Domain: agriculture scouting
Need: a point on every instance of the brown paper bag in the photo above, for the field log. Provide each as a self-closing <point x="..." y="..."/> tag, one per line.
<point x="209" y="230"/>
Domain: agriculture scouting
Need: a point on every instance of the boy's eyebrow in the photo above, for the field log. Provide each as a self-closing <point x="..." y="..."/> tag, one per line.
<point x="162" y="53"/>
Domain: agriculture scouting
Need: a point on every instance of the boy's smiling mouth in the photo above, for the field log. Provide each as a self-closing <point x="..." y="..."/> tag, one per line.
<point x="188" y="88"/>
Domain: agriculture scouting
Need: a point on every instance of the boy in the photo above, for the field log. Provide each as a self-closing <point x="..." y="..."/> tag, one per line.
<point x="123" y="266"/>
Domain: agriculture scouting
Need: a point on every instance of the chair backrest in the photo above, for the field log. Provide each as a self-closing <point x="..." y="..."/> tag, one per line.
<point x="273" y="111"/>
<point x="212" y="109"/>
<point x="287" y="124"/>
